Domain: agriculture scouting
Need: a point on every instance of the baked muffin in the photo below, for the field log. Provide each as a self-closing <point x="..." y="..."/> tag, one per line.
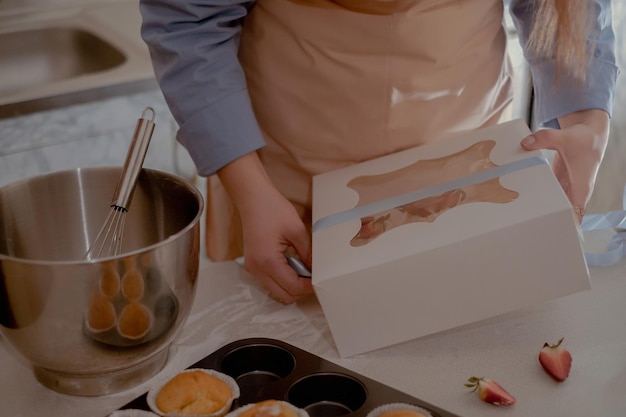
<point x="198" y="392"/>
<point x="129" y="262"/>
<point x="110" y="279"/>
<point x="399" y="410"/>
<point x="133" y="284"/>
<point x="131" y="412"/>
<point x="135" y="321"/>
<point x="268" y="408"/>
<point x="402" y="413"/>
<point x="145" y="260"/>
<point x="100" y="314"/>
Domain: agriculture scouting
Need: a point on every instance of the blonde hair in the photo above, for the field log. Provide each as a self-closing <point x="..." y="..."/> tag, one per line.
<point x="560" y="30"/>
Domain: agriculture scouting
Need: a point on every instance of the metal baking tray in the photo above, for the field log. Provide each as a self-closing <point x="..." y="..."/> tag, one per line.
<point x="271" y="369"/>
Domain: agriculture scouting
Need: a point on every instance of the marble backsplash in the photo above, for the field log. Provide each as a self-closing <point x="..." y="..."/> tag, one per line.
<point x="93" y="134"/>
<point x="19" y="6"/>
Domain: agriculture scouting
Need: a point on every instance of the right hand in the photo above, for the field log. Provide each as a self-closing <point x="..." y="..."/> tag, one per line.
<point x="271" y="226"/>
<point x="269" y="231"/>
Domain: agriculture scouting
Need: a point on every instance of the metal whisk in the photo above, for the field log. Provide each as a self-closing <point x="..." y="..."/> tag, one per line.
<point x="108" y="242"/>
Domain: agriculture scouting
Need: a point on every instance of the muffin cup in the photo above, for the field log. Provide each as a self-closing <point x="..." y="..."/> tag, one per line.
<point x="152" y="395"/>
<point x="133" y="413"/>
<point x="398" y="406"/>
<point x="142" y="309"/>
<point x="100" y="304"/>
<point x="110" y="283"/>
<point x="238" y="411"/>
<point x="133" y="285"/>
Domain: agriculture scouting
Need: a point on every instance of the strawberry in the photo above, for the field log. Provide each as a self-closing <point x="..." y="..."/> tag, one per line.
<point x="556" y="360"/>
<point x="490" y="391"/>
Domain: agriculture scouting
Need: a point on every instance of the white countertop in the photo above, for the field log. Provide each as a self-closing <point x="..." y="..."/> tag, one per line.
<point x="230" y="305"/>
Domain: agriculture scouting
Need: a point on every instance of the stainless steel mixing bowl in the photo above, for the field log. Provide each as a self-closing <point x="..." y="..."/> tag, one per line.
<point x="102" y="326"/>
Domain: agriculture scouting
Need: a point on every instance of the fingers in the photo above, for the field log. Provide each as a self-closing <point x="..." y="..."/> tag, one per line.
<point x="284" y="295"/>
<point x="575" y="163"/>
<point x="543" y="139"/>
<point x="301" y="242"/>
<point x="579" y="212"/>
<point x="281" y="280"/>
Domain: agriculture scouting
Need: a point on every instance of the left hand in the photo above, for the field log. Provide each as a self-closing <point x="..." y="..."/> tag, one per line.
<point x="580" y="145"/>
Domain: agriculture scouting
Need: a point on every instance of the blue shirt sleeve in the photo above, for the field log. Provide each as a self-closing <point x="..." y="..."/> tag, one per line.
<point x="567" y="96"/>
<point x="193" y="45"/>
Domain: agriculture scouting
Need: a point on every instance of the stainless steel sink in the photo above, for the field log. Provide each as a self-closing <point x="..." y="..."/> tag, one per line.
<point x="41" y="56"/>
<point x="53" y="57"/>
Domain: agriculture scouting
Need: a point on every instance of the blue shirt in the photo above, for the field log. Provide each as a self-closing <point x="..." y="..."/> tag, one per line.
<point x="194" y="46"/>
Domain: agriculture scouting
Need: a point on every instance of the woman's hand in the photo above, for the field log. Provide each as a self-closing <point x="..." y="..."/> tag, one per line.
<point x="580" y="145"/>
<point x="270" y="230"/>
<point x="271" y="226"/>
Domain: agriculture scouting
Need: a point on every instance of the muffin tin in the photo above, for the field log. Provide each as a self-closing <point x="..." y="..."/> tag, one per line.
<point x="271" y="369"/>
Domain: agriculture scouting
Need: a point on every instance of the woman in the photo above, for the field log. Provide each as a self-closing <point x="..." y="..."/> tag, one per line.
<point x="269" y="93"/>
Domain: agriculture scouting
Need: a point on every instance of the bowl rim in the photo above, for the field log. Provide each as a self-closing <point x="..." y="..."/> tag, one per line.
<point x="188" y="185"/>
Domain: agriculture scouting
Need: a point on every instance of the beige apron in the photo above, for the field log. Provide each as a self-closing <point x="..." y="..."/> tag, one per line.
<point x="338" y="82"/>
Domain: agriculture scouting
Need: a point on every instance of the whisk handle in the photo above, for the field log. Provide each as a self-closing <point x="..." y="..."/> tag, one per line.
<point x="134" y="160"/>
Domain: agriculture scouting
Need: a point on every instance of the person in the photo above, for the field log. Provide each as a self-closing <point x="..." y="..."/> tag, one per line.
<point x="269" y="93"/>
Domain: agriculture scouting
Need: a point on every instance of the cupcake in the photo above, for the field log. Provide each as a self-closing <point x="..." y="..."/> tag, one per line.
<point x="100" y="314"/>
<point x="194" y="392"/>
<point x="109" y="280"/>
<point x="133" y="285"/>
<point x="135" y="321"/>
<point x="131" y="412"/>
<point x="145" y="260"/>
<point x="268" y="408"/>
<point x="129" y="262"/>
<point x="399" y="410"/>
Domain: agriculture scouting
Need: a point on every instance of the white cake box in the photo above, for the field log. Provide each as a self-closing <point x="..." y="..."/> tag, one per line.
<point x="441" y="235"/>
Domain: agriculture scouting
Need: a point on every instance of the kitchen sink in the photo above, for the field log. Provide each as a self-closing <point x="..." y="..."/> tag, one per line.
<point x="37" y="57"/>
<point x="54" y="57"/>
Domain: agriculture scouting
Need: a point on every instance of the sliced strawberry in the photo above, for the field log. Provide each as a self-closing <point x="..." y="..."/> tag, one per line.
<point x="490" y="391"/>
<point x="556" y="360"/>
